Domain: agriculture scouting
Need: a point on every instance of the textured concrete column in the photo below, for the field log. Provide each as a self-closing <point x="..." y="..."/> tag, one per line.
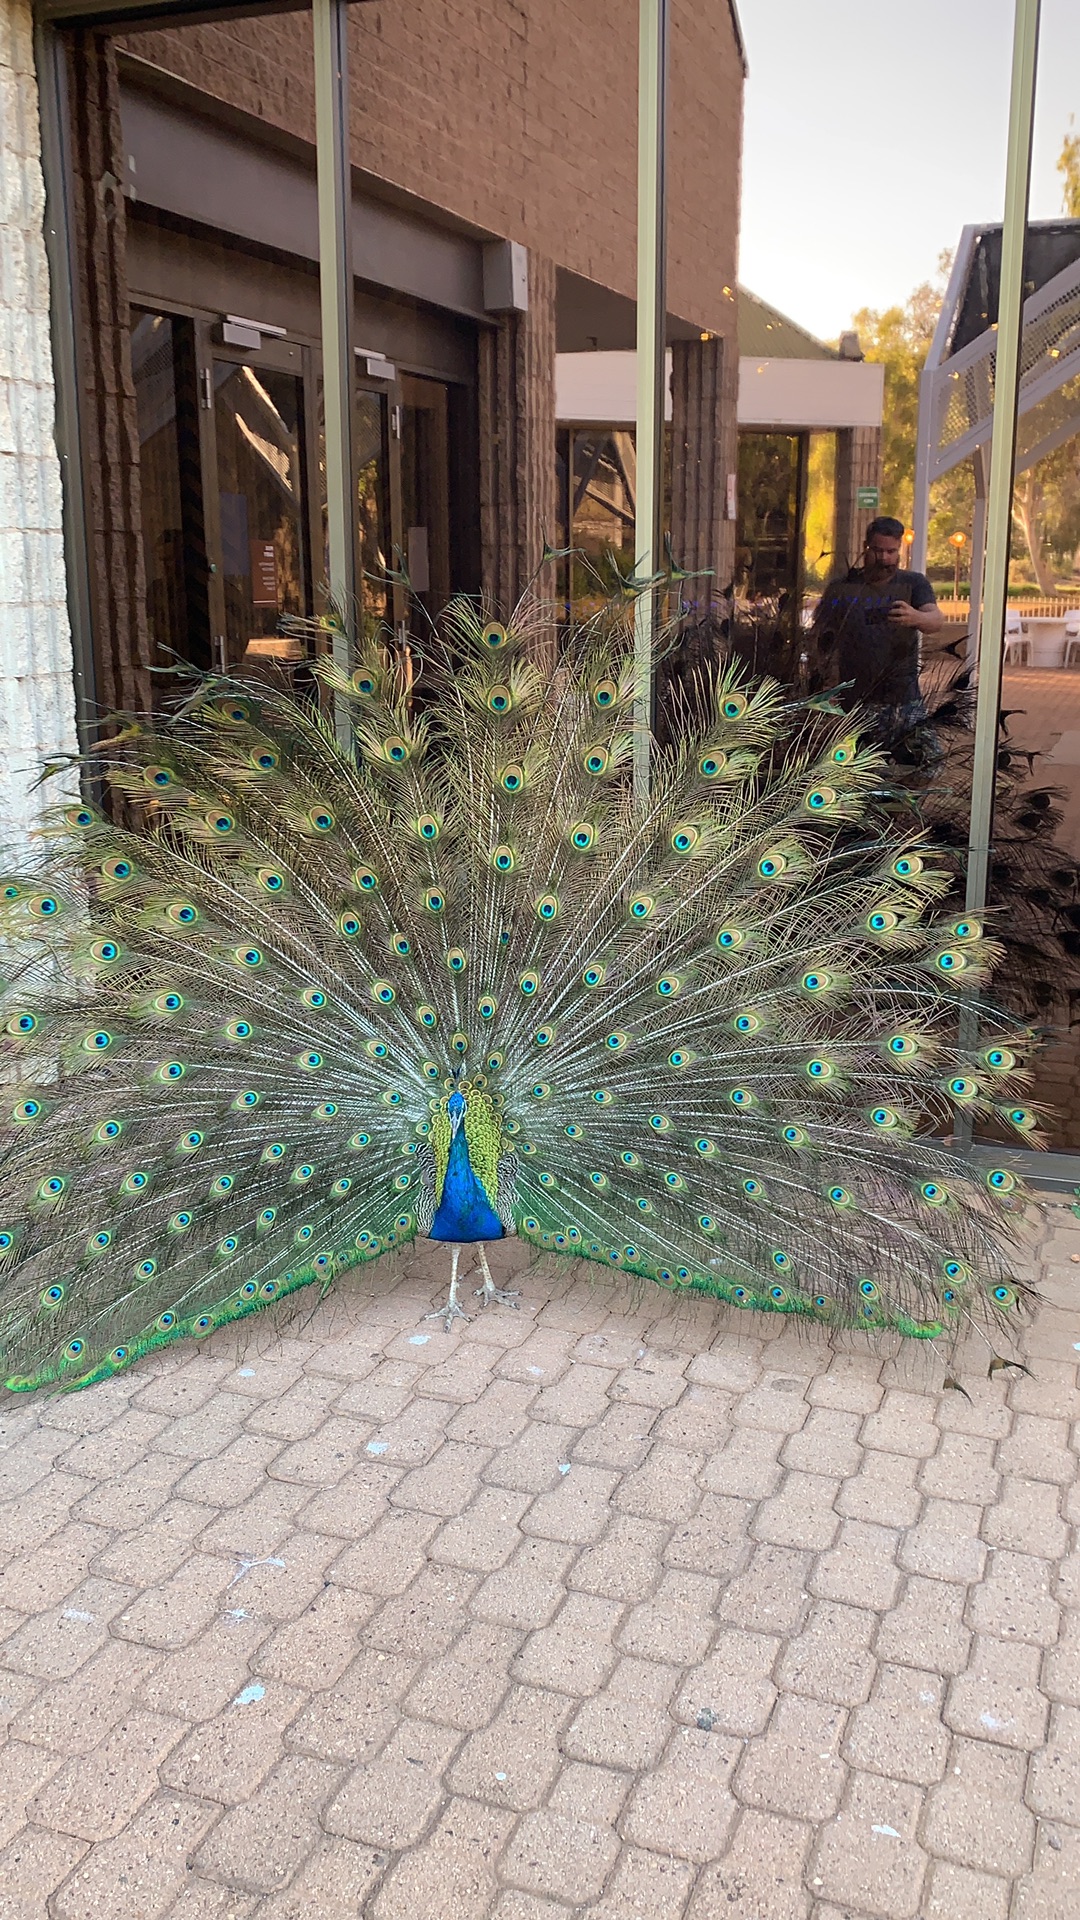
<point x="37" y="704"/>
<point x="517" y="443"/>
<point x="858" y="464"/>
<point x="106" y="390"/>
<point x="704" y="428"/>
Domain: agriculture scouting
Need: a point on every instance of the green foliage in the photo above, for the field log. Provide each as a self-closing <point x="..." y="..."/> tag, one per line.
<point x="1068" y="165"/>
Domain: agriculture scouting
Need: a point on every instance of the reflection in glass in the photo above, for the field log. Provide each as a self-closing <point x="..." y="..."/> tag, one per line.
<point x="425" y="492"/>
<point x="173" y="543"/>
<point x="602" y="483"/>
<point x="258" y="420"/>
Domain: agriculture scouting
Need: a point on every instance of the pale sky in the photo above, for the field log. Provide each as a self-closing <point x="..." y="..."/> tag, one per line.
<point x="875" y="132"/>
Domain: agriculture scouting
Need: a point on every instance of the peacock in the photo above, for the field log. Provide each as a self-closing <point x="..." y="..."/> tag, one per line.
<point x="327" y="966"/>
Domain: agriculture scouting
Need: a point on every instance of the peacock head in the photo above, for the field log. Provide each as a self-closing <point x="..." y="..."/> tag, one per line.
<point x="455" y="1110"/>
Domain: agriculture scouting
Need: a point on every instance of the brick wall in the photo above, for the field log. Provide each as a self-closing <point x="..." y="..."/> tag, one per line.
<point x="37" y="708"/>
<point x="518" y="115"/>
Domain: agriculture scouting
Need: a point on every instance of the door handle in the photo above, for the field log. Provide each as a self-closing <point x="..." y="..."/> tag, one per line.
<point x="207" y="389"/>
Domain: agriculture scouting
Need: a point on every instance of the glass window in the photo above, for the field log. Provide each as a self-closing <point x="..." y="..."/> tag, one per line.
<point x="173" y="541"/>
<point x="258" y="418"/>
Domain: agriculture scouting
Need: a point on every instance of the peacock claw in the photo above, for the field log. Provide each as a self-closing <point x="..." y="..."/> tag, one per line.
<point x="448" y="1314"/>
<point x="506" y="1296"/>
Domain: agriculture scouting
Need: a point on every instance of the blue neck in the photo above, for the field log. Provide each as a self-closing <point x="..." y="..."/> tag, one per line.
<point x="464" y="1213"/>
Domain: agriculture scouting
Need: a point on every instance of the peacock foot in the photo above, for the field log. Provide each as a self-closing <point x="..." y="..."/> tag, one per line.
<point x="453" y="1310"/>
<point x="506" y="1296"/>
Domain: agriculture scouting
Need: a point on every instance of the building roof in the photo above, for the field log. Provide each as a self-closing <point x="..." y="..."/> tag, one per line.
<point x="767" y="334"/>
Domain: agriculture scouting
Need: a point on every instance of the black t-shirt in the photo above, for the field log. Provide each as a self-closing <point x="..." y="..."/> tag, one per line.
<point x="852" y="627"/>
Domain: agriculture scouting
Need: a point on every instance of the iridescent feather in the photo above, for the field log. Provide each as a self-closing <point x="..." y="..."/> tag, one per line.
<point x="369" y="969"/>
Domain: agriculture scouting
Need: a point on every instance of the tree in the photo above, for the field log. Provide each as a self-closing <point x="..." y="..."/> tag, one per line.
<point x="1069" y="168"/>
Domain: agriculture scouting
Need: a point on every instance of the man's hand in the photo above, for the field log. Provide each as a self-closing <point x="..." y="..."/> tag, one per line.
<point x="901" y="615"/>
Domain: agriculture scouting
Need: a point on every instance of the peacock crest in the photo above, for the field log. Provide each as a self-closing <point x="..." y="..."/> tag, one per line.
<point x="399" y="959"/>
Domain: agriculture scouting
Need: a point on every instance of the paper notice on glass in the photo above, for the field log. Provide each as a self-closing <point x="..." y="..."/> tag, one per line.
<point x="264" y="592"/>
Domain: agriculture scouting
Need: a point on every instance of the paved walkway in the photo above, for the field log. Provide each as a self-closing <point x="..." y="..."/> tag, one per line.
<point x="621" y="1609"/>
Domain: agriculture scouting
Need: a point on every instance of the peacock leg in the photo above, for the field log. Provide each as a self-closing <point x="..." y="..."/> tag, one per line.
<point x="506" y="1296"/>
<point x="453" y="1309"/>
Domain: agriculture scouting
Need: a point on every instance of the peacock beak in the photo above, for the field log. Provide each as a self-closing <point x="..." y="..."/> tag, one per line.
<point x="455" y="1122"/>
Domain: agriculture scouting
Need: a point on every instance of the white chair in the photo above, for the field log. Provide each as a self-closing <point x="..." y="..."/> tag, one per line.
<point x="1072" y="639"/>
<point x="1017" y="650"/>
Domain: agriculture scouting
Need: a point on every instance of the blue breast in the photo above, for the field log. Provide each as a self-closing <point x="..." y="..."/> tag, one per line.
<point x="464" y="1212"/>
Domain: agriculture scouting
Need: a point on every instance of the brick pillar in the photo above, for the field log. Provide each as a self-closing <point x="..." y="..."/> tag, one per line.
<point x="106" y="390"/>
<point x="704" y="427"/>
<point x="858" y="464"/>
<point x="518" y="504"/>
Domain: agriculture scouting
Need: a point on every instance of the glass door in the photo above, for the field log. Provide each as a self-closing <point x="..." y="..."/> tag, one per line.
<point x="425" y="496"/>
<point x="259" y="532"/>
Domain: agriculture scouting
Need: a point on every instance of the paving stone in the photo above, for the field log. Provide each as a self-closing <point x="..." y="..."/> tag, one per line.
<point x="578" y="1398"/>
<point x="130" y="1500"/>
<point x="233" y="1476"/>
<point x="685" y="1806"/>
<point x="325" y="1456"/>
<point x="257" y="1527"/>
<point x="1054" y="1780"/>
<point x="883" y="1492"/>
<point x="351" y="1508"/>
<point x="18" y="1694"/>
<point x="26" y="1771"/>
<point x="665" y="1488"/>
<point x="533" y="1462"/>
<point x="32" y="1865"/>
<point x="55" y="1644"/>
<point x="138" y="1874"/>
<point x="677" y="1624"/>
<point x="576" y="1510"/>
<point x="527" y="1591"/>
<point x="961" y="1469"/>
<point x="75" y="1715"/>
<point x="794" y="1767"/>
<point x="453" y="1875"/>
<point x="733" y="1688"/>
<point x="999" y="1697"/>
<point x="945" y="1545"/>
<point x="485" y="1534"/>
<point x="44" y="1576"/>
<point x="748" y="1466"/>
<point x="575" y="1653"/>
<point x="1038" y="1449"/>
<point x="642" y="1884"/>
<point x="226" y="1758"/>
<point x="827" y="1443"/>
<point x="849" y="1385"/>
<point x="771" y="1595"/>
<point x="541" y="1359"/>
<point x="354" y="1719"/>
<point x="1014" y="1601"/>
<point x="382" y="1395"/>
<point x="760" y="1875"/>
<point x="554" y="1853"/>
<point x="95" y="1796"/>
<point x="926" y="1627"/>
<point x="628" y="1723"/>
<point x="902" y="1424"/>
<point x="446" y="1483"/>
<point x="861" y="1568"/>
<point x="976" y="1815"/>
<point x="460" y="1376"/>
<point x="1061" y="1663"/>
<point x="956" y="1893"/>
<point x="777" y="1403"/>
<point x="1027" y="1519"/>
<point x="831" y="1659"/>
<point x="199" y="1680"/>
<point x="416" y="1433"/>
<point x="424" y="1619"/>
<point x="297" y="1412"/>
<point x="654" y="1379"/>
<point x="465" y="1686"/>
<point x="1051" y="1891"/>
<point x="496" y="1416"/>
<point x="626" y="1561"/>
<point x="899" y="1731"/>
<point x="716" y="1541"/>
<point x="390" y="1557"/>
<point x="620" y="1440"/>
<point x="332" y="1884"/>
<point x="800" y="1515"/>
<point x="1049" y="1391"/>
<point x="387" y="1803"/>
<point x="260" y="1844"/>
<point x="172" y="1614"/>
<point x="513" y="1760"/>
<point x="869" y="1857"/>
<point x="701" y="1420"/>
<point x="313" y="1650"/>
